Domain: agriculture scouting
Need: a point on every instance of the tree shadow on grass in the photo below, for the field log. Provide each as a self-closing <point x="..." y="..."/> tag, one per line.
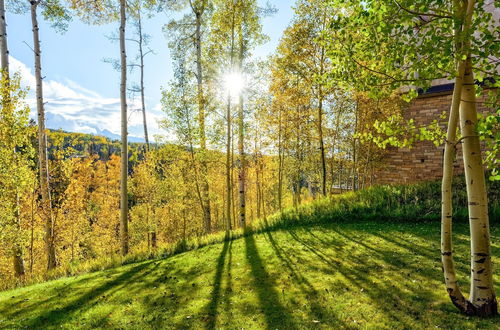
<point x="319" y="312"/>
<point x="358" y="271"/>
<point x="229" y="277"/>
<point x="211" y="308"/>
<point x="85" y="300"/>
<point x="276" y="315"/>
<point x="388" y="256"/>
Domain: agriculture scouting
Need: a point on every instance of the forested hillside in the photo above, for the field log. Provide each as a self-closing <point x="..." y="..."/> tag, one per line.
<point x="61" y="145"/>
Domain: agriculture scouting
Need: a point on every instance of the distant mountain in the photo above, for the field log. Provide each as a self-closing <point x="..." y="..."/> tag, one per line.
<point x="56" y="122"/>
<point x="113" y="136"/>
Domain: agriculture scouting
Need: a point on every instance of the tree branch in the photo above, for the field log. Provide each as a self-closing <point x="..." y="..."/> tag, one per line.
<point x="420" y="14"/>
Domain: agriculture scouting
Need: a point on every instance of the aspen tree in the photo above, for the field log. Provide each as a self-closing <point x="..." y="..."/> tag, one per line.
<point x="418" y="42"/>
<point x="199" y="9"/>
<point x="42" y="144"/>
<point x="100" y="12"/>
<point x="190" y="32"/>
<point x="124" y="134"/>
<point x="4" y="57"/>
<point x="56" y="14"/>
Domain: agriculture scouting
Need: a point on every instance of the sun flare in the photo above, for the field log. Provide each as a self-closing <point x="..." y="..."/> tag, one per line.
<point x="233" y="83"/>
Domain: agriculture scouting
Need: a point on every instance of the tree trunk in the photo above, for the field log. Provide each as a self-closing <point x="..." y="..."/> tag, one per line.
<point x="154" y="235"/>
<point x="18" y="260"/>
<point x="482" y="301"/>
<point x="143" y="99"/>
<point x="452" y="287"/>
<point x="124" y="145"/>
<point x="280" y="163"/>
<point x="257" y="185"/>
<point x="234" y="194"/>
<point x="241" y="136"/>
<point x="143" y="104"/>
<point x="320" y="125"/>
<point x="201" y="121"/>
<point x="184" y="224"/>
<point x="482" y="292"/>
<point x="32" y="229"/>
<point x="229" y="136"/>
<point x="340" y="176"/>
<point x="228" y="166"/>
<point x="4" y="56"/>
<point x="42" y="145"/>
<point x="148" y="225"/>
<point x="354" y="158"/>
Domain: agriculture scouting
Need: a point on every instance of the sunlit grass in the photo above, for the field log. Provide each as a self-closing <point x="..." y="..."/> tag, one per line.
<point x="363" y="274"/>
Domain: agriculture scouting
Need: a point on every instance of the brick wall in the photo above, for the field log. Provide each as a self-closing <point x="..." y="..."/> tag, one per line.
<point x="424" y="161"/>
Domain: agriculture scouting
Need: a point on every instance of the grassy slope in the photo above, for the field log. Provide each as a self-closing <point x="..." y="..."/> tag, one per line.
<point x="350" y="275"/>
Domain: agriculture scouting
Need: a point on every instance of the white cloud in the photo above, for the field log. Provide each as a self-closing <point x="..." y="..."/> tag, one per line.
<point x="72" y="107"/>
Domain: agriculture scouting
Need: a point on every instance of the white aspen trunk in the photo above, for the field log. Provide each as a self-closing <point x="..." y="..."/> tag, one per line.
<point x="334" y="144"/>
<point x="148" y="225"/>
<point x="234" y="194"/>
<point x="262" y="195"/>
<point x="354" y="158"/>
<point x="143" y="105"/>
<point x="257" y="187"/>
<point x="229" y="135"/>
<point x="4" y="49"/>
<point x="482" y="301"/>
<point x="32" y="229"/>
<point x="42" y="145"/>
<point x="242" y="165"/>
<point x="450" y="278"/>
<point x="201" y="119"/>
<point x="143" y="99"/>
<point x="320" y="125"/>
<point x="228" y="166"/>
<point x="280" y="162"/>
<point x="241" y="141"/>
<point x="124" y="144"/>
<point x="18" y="261"/>
<point x="321" y="143"/>
<point x="482" y="292"/>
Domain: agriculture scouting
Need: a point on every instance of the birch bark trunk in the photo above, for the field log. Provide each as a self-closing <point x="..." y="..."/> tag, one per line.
<point x="141" y="65"/>
<point x="241" y="142"/>
<point x="320" y="125"/>
<point x="229" y="135"/>
<point x="18" y="261"/>
<point x="124" y="144"/>
<point x="482" y="292"/>
<point x="199" y="11"/>
<point x="482" y="301"/>
<point x="280" y="162"/>
<point x="42" y="144"/>
<point x="452" y="287"/>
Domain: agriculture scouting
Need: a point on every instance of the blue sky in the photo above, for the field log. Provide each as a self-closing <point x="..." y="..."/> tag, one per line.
<point x="82" y="92"/>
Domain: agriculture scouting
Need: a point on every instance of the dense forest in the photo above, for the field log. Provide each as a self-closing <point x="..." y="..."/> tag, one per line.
<point x="253" y="137"/>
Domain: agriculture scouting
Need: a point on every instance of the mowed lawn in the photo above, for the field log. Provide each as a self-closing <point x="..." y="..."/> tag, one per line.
<point x="350" y="275"/>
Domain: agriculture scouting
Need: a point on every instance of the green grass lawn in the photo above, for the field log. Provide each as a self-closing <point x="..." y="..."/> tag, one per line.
<point x="350" y="275"/>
